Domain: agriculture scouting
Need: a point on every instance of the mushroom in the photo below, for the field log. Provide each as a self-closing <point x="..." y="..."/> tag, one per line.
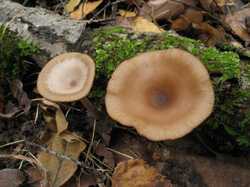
<point x="162" y="94"/>
<point x="67" y="77"/>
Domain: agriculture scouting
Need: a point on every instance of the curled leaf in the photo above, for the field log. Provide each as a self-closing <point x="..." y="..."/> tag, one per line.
<point x="59" y="168"/>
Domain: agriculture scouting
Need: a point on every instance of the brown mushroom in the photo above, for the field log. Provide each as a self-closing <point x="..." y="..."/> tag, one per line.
<point x="162" y="94"/>
<point x="67" y="77"/>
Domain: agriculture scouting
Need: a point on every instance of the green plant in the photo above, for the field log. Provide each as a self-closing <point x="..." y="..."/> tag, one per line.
<point x="13" y="51"/>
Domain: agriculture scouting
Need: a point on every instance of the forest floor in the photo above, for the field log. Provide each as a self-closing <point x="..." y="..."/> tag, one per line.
<point x="64" y="144"/>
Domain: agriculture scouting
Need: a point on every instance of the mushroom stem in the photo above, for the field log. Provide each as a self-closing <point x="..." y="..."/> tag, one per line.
<point x="91" y="109"/>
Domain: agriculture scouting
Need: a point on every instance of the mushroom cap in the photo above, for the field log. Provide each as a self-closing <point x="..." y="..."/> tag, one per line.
<point x="162" y="94"/>
<point x="67" y="77"/>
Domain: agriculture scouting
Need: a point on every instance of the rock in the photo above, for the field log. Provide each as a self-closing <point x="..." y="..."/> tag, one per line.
<point x="51" y="32"/>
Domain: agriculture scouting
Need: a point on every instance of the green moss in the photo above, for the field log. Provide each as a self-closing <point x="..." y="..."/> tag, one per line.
<point x="227" y="125"/>
<point x="13" y="51"/>
<point x="114" y="45"/>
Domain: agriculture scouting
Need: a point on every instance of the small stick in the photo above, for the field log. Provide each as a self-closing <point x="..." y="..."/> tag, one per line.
<point x="92" y="141"/>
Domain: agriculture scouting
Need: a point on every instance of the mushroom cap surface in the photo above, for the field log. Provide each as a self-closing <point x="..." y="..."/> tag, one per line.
<point x="162" y="94"/>
<point x="67" y="77"/>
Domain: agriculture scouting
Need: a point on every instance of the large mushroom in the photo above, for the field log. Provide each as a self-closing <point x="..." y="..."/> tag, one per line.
<point x="162" y="94"/>
<point x="67" y="77"/>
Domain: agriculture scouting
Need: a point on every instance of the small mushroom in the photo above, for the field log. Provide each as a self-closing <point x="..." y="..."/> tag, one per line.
<point x="162" y="94"/>
<point x="67" y="77"/>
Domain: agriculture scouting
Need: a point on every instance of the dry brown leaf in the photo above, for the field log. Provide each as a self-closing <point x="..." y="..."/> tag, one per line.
<point x="61" y="170"/>
<point x="127" y="14"/>
<point x="161" y="9"/>
<point x="237" y="22"/>
<point x="206" y="4"/>
<point x="84" y="180"/>
<point x="138" y="24"/>
<point x="137" y="173"/>
<point x="184" y="21"/>
<point x="108" y="159"/>
<point x="141" y="24"/>
<point x="11" y="178"/>
<point x="194" y="16"/>
<point x="35" y="177"/>
<point x="71" y="5"/>
<point x="84" y="9"/>
<point x="21" y="96"/>
<point x="180" y="24"/>
<point x="60" y="120"/>
<point x="210" y="34"/>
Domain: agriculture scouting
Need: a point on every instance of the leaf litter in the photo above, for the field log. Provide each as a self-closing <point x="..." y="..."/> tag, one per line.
<point x="66" y="149"/>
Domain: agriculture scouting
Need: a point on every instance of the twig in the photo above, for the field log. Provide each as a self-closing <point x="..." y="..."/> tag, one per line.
<point x="92" y="141"/>
<point x="11" y="114"/>
<point x="119" y="153"/>
<point x="12" y="143"/>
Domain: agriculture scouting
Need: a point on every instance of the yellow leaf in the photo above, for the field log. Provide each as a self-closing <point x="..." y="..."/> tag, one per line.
<point x="61" y="122"/>
<point x="85" y="8"/>
<point x="127" y="14"/>
<point x="59" y="169"/>
<point x="71" y="5"/>
<point x="141" y="24"/>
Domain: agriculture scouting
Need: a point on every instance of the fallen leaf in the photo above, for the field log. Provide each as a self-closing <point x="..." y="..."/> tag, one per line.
<point x="209" y="34"/>
<point x="161" y="9"/>
<point x="86" y="180"/>
<point x="11" y="178"/>
<point x="101" y="150"/>
<point x="184" y="21"/>
<point x="180" y="24"/>
<point x="206" y="4"/>
<point x="61" y="170"/>
<point x="84" y="9"/>
<point x="194" y="16"/>
<point x="71" y="5"/>
<point x="237" y="23"/>
<point x="60" y="120"/>
<point x="138" y="24"/>
<point x="35" y="177"/>
<point x="21" y="96"/>
<point x="127" y="14"/>
<point x="137" y="173"/>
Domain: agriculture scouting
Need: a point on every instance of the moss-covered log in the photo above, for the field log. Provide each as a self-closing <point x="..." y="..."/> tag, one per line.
<point x="229" y="125"/>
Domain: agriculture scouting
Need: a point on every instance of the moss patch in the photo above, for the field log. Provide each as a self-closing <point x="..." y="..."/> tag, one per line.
<point x="113" y="45"/>
<point x="13" y="51"/>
